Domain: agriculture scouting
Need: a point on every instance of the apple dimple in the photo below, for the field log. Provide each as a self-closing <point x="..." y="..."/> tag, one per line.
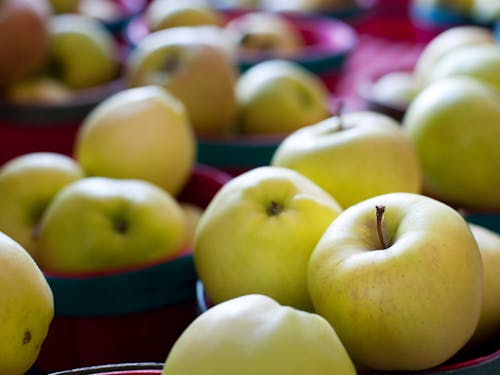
<point x="274" y="208"/>
<point x="171" y="63"/>
<point x="120" y="225"/>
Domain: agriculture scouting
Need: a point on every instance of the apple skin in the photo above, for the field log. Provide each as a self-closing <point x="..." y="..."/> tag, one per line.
<point x="257" y="233"/>
<point x="139" y="133"/>
<point x="24" y="38"/>
<point x="448" y="41"/>
<point x="454" y="124"/>
<point x="253" y="334"/>
<point x="26" y="308"/>
<point x="64" y="6"/>
<point x="121" y="223"/>
<point x="489" y="320"/>
<point x="397" y="88"/>
<point x="195" y="69"/>
<point x="480" y="61"/>
<point x="410" y="306"/>
<point x="27" y="185"/>
<point x="83" y="52"/>
<point x="279" y="96"/>
<point x="162" y="14"/>
<point x="367" y="155"/>
<point x="485" y="11"/>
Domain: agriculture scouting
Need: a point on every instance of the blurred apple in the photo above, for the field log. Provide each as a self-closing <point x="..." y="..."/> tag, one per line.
<point x="306" y="5"/>
<point x="454" y="124"/>
<point x="103" y="224"/>
<point x="264" y="34"/>
<point x="458" y="7"/>
<point x="27" y="185"/>
<point x="26" y="308"/>
<point x="480" y="61"/>
<point x="83" y="51"/>
<point x="257" y="233"/>
<point x="106" y="11"/>
<point x="40" y="89"/>
<point x="193" y="215"/>
<point x="237" y="4"/>
<point x="489" y="320"/>
<point x="396" y="88"/>
<point x="447" y="41"/>
<point x="279" y="96"/>
<point x="402" y="287"/>
<point x="24" y="38"/>
<point x="353" y="156"/>
<point x="195" y="68"/>
<point x="161" y="14"/>
<point x="253" y="334"/>
<point x="139" y="133"/>
<point x="486" y="11"/>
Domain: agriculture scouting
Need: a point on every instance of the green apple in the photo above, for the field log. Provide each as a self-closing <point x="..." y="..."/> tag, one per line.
<point x="454" y="124"/>
<point x="489" y="320"/>
<point x="480" y="61"/>
<point x="262" y="34"/>
<point x="353" y="156"/>
<point x="447" y="41"/>
<point x="83" y="52"/>
<point x="161" y="14"/>
<point x="27" y="185"/>
<point x="103" y="224"/>
<point x="253" y="334"/>
<point x="26" y="308"/>
<point x="195" y="68"/>
<point x="24" y="38"/>
<point x="486" y="11"/>
<point x="402" y="288"/>
<point x="397" y="88"/>
<point x="279" y="96"/>
<point x="139" y="133"/>
<point x="257" y="233"/>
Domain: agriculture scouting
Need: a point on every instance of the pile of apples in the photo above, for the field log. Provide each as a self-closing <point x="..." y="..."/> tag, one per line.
<point x="50" y="58"/>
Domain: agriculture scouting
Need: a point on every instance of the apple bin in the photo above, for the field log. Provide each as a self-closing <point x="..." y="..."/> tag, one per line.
<point x="129" y="315"/>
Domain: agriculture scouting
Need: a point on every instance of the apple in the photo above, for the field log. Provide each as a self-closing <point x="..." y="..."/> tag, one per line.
<point x="27" y="185"/>
<point x="456" y="7"/>
<point x="161" y="14"/>
<point x="481" y="61"/>
<point x="254" y="334"/>
<point x="402" y="287"/>
<point x="195" y="68"/>
<point x="306" y="5"/>
<point x="353" y="156"/>
<point x="260" y="34"/>
<point x="257" y="233"/>
<point x="105" y="11"/>
<point x="396" y="88"/>
<point x="26" y="308"/>
<point x="42" y="89"/>
<point x="24" y="38"/>
<point x="489" y="320"/>
<point x="454" y="124"/>
<point x="279" y="96"/>
<point x="237" y="4"/>
<point x="447" y="41"/>
<point x="83" y="52"/>
<point x="141" y="133"/>
<point x="193" y="215"/>
<point x="119" y="223"/>
<point x="485" y="11"/>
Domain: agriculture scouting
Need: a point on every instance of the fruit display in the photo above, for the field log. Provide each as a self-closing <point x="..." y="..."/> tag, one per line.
<point x="231" y="201"/>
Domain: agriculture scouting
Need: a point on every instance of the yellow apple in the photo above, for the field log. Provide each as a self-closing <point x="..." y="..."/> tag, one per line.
<point x="399" y="277"/>
<point x="27" y="185"/>
<point x="489" y="320"/>
<point x="195" y="67"/>
<point x="193" y="215"/>
<point x="103" y="224"/>
<point x="161" y="14"/>
<point x="139" y="133"/>
<point x="26" y="308"/>
<point x="252" y="335"/>
<point x="257" y="233"/>
<point x="279" y="96"/>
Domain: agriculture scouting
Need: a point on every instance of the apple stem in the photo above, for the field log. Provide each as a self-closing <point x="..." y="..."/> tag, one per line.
<point x="274" y="208"/>
<point x="338" y="112"/>
<point x="380" y="215"/>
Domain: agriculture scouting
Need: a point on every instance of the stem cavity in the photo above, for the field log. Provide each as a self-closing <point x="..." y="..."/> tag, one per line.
<point x="274" y="208"/>
<point x="380" y="215"/>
